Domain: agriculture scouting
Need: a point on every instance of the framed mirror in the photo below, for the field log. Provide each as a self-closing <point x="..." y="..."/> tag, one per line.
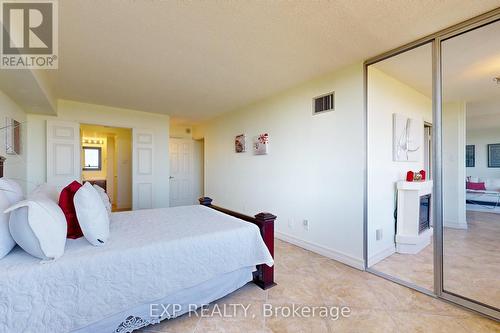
<point x="92" y="158"/>
<point x="471" y="158"/>
<point x="399" y="123"/>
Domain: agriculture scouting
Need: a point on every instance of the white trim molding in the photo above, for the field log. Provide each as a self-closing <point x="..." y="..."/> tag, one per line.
<point x="324" y="251"/>
<point x="454" y="225"/>
<point x="381" y="255"/>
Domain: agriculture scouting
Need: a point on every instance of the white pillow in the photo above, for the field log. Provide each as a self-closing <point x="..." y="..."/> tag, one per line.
<point x="12" y="190"/>
<point x="104" y="198"/>
<point x="7" y="243"/>
<point x="491" y="184"/>
<point x="39" y="227"/>
<point x="45" y="191"/>
<point x="92" y="215"/>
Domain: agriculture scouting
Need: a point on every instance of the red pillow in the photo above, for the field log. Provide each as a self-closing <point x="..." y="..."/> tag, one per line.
<point x="475" y="186"/>
<point x="68" y="208"/>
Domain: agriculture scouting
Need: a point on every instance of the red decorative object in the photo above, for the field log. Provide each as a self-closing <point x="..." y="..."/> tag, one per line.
<point x="409" y="176"/>
<point x="68" y="208"/>
<point x="475" y="186"/>
<point x="423" y="174"/>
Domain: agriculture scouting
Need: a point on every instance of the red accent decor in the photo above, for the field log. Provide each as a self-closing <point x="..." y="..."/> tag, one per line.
<point x="475" y="186"/>
<point x="423" y="173"/>
<point x="68" y="208"/>
<point x="409" y="176"/>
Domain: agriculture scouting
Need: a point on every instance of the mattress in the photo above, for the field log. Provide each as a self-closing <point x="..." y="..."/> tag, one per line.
<point x="492" y="197"/>
<point x="151" y="254"/>
<point x="183" y="301"/>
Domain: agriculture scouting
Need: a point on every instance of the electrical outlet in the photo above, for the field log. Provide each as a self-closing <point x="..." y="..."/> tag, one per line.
<point x="379" y="234"/>
<point x="305" y="224"/>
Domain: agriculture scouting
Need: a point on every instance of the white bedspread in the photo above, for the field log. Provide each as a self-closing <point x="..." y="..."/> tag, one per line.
<point x="151" y="254"/>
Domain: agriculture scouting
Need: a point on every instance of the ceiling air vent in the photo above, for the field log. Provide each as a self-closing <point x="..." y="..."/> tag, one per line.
<point x="324" y="103"/>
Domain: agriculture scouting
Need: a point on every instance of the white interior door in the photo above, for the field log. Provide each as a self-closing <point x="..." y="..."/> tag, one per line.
<point x="181" y="172"/>
<point x="110" y="171"/>
<point x="142" y="169"/>
<point x="63" y="153"/>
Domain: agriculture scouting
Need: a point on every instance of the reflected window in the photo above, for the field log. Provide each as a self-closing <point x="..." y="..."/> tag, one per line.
<point x="92" y="158"/>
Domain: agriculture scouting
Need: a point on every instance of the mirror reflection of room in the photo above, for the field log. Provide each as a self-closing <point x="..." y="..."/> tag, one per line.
<point x="399" y="110"/>
<point x="106" y="162"/>
<point x="471" y="164"/>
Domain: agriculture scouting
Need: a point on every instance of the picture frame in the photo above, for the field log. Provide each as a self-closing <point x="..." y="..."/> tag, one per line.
<point x="12" y="136"/>
<point x="407" y="138"/>
<point x="494" y="155"/>
<point x="470" y="156"/>
<point x="240" y="144"/>
<point x="261" y="144"/>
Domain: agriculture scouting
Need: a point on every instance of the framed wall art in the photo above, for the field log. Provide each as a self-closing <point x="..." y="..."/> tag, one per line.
<point x="261" y="144"/>
<point x="470" y="156"/>
<point x="240" y="144"/>
<point x="494" y="155"/>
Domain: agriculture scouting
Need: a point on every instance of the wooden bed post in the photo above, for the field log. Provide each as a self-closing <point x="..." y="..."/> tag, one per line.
<point x="2" y="159"/>
<point x="264" y="276"/>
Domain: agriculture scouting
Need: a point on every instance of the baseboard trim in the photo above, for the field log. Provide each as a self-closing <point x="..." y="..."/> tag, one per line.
<point x="381" y="255"/>
<point x="454" y="225"/>
<point x="324" y="251"/>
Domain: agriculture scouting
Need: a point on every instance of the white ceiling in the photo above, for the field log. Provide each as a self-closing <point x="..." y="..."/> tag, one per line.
<point x="197" y="59"/>
<point x="470" y="62"/>
<point x="413" y="67"/>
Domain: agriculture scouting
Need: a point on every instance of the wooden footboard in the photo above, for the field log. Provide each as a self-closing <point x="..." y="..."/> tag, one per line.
<point x="264" y="276"/>
<point x="2" y="159"/>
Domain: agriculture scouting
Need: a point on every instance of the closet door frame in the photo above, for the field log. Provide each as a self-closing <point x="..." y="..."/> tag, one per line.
<point x="436" y="39"/>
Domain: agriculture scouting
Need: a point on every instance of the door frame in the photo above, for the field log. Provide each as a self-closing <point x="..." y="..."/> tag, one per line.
<point x="110" y="124"/>
<point x="435" y="39"/>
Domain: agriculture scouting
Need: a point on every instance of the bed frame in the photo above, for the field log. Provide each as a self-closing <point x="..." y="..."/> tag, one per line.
<point x="264" y="276"/>
<point x="2" y="159"/>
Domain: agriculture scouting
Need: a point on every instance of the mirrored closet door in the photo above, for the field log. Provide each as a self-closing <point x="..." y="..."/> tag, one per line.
<point x="471" y="164"/>
<point x="433" y="164"/>
<point x="399" y="135"/>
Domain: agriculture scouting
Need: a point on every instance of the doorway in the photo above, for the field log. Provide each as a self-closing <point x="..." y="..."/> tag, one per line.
<point x="106" y="157"/>
<point x="186" y="171"/>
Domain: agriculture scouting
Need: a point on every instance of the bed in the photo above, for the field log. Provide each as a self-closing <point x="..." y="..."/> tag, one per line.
<point x="485" y="198"/>
<point x="188" y="255"/>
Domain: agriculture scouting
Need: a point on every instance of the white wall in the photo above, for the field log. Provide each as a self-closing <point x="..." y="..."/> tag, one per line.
<point x="481" y="138"/>
<point x="101" y="115"/>
<point x="387" y="96"/>
<point x="454" y="165"/>
<point x="181" y="131"/>
<point x="314" y="170"/>
<point x="15" y="165"/>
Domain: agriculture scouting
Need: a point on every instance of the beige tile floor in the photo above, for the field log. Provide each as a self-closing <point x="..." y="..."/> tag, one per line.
<point x="415" y="268"/>
<point x="471" y="261"/>
<point x="305" y="278"/>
